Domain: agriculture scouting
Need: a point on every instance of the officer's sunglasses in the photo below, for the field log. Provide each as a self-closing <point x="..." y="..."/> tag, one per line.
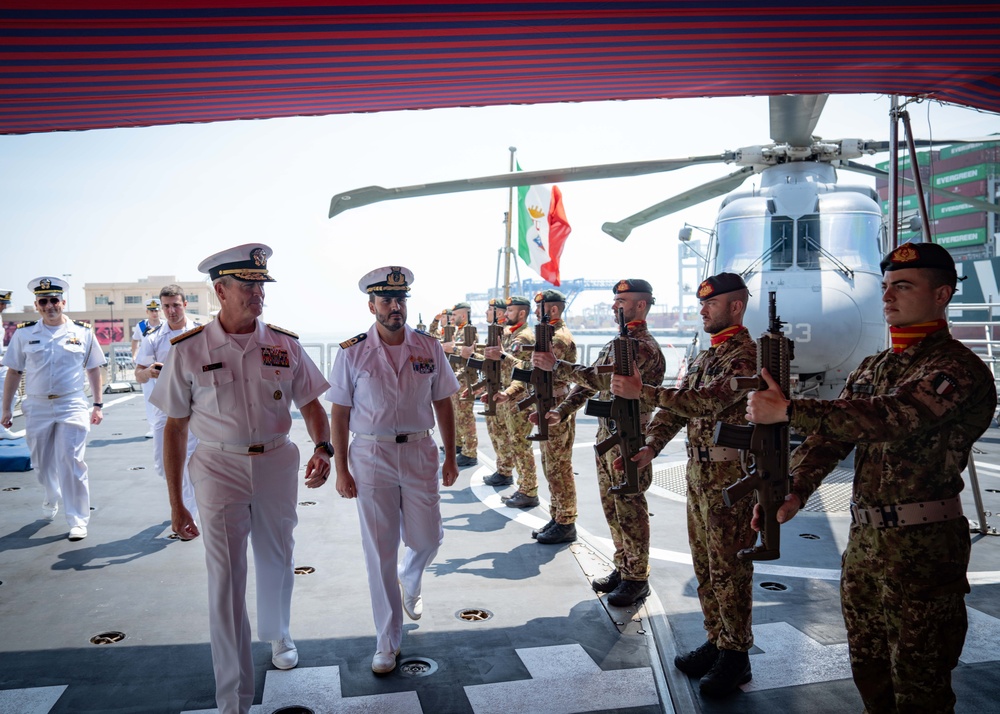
<point x="45" y="301"/>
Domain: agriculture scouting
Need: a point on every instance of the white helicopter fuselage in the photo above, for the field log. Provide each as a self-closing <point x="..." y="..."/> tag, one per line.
<point x="817" y="245"/>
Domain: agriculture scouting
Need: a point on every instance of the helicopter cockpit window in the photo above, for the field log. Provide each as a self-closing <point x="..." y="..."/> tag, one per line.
<point x="781" y="243"/>
<point x="809" y="243"/>
<point x="825" y="239"/>
<point x="754" y="242"/>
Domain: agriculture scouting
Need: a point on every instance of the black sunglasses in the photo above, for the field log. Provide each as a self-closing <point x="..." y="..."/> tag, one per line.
<point x="45" y="301"/>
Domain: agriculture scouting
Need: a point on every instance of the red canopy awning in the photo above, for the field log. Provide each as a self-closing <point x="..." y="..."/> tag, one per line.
<point x="83" y="65"/>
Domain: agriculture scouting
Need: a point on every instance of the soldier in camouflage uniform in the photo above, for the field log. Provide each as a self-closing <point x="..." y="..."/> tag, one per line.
<point x="518" y="335"/>
<point x="466" y="437"/>
<point x="496" y="426"/>
<point x="557" y="450"/>
<point x="716" y="532"/>
<point x="627" y="515"/>
<point x="912" y="413"/>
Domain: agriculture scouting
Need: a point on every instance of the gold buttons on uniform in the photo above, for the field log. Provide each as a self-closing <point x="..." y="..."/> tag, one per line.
<point x="277" y="394"/>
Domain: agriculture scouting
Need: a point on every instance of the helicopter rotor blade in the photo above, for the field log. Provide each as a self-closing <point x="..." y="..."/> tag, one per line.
<point x="373" y="194"/>
<point x="794" y="117"/>
<point x="880" y="146"/>
<point x="879" y="173"/>
<point x="692" y="197"/>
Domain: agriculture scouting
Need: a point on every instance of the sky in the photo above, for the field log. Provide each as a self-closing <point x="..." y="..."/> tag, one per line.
<point x="122" y="204"/>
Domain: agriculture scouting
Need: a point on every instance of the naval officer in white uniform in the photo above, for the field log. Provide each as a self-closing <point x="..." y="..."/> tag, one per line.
<point x="150" y="356"/>
<point x="5" y="433"/>
<point x="58" y="356"/>
<point x="233" y="382"/>
<point x="387" y="386"/>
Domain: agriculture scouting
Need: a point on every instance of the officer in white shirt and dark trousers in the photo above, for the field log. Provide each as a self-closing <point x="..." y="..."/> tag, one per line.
<point x="59" y="357"/>
<point x="387" y="387"/>
<point x="152" y="353"/>
<point x="233" y="382"/>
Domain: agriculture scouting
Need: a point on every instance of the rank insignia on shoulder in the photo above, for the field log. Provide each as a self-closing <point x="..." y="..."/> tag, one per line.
<point x="353" y="341"/>
<point x="283" y="331"/>
<point x="81" y="323"/>
<point x="184" y="335"/>
<point x="422" y="365"/>
<point x="151" y="329"/>
<point x="425" y="333"/>
<point x="26" y="324"/>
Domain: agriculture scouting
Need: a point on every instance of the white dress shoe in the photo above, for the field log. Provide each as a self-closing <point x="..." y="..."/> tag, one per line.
<point x="49" y="510"/>
<point x="384" y="662"/>
<point x="6" y="433"/>
<point x="78" y="532"/>
<point x="149" y="434"/>
<point x="413" y="606"/>
<point x="284" y="655"/>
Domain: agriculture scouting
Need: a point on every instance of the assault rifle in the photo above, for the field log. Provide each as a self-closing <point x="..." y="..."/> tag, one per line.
<point x="763" y="447"/>
<point x="420" y="323"/>
<point x="468" y="373"/>
<point x="490" y="369"/>
<point x="539" y="379"/>
<point x="622" y="415"/>
<point x="448" y="334"/>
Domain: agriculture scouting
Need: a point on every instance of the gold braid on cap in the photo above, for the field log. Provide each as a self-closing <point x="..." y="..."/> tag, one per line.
<point x="383" y="288"/>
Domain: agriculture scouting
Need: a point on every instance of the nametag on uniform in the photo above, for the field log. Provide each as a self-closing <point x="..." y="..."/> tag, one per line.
<point x="422" y="365"/>
<point x="210" y="367"/>
<point x="33" y="342"/>
<point x="274" y="356"/>
<point x="73" y="341"/>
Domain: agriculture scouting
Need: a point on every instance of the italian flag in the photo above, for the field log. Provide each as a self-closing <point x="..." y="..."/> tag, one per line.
<point x="542" y="229"/>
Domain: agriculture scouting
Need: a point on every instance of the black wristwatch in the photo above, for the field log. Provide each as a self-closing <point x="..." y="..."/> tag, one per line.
<point x="99" y="405"/>
<point x="326" y="446"/>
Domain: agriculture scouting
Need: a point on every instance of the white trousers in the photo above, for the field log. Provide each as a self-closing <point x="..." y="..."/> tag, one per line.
<point x="398" y="498"/>
<point x="151" y="411"/>
<point x="239" y="497"/>
<point x="187" y="490"/>
<point x="56" y="432"/>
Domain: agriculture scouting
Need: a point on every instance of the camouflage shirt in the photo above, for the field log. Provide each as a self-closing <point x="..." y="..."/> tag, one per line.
<point x="648" y="359"/>
<point x="913" y="416"/>
<point x="514" y="337"/>
<point x="563" y="347"/>
<point x="706" y="396"/>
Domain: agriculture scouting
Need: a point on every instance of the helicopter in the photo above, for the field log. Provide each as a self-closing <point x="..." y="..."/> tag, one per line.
<point x="801" y="233"/>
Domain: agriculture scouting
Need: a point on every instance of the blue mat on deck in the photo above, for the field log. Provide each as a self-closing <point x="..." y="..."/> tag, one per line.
<point x="14" y="455"/>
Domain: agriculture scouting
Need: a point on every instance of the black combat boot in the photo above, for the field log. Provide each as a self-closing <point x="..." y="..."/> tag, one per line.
<point x="498" y="479"/>
<point x="696" y="663"/>
<point x="628" y="593"/>
<point x="535" y="534"/>
<point x="729" y="671"/>
<point x="608" y="583"/>
<point x="559" y="533"/>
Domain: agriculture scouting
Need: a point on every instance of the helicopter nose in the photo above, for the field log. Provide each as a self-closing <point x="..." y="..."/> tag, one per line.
<point x="825" y="323"/>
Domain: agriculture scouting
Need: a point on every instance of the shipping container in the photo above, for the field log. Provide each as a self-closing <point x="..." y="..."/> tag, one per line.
<point x="977" y="172"/>
<point x="976" y="236"/>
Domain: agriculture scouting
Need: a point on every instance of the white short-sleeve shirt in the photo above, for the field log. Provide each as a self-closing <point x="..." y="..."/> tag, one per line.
<point x="386" y="401"/>
<point x="55" y="361"/>
<point x="232" y="394"/>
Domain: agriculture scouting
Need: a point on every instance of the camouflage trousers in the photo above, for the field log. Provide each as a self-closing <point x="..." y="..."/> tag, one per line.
<point x="518" y="448"/>
<point x="902" y="593"/>
<point x="716" y="533"/>
<point x="627" y="516"/>
<point x="465" y="425"/>
<point x="557" y="464"/>
<point x="496" y="427"/>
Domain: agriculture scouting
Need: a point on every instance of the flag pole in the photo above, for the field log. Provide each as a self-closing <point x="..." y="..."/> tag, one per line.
<point x="510" y="220"/>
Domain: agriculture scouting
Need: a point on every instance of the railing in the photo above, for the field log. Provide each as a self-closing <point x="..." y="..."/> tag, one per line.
<point x="974" y="324"/>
